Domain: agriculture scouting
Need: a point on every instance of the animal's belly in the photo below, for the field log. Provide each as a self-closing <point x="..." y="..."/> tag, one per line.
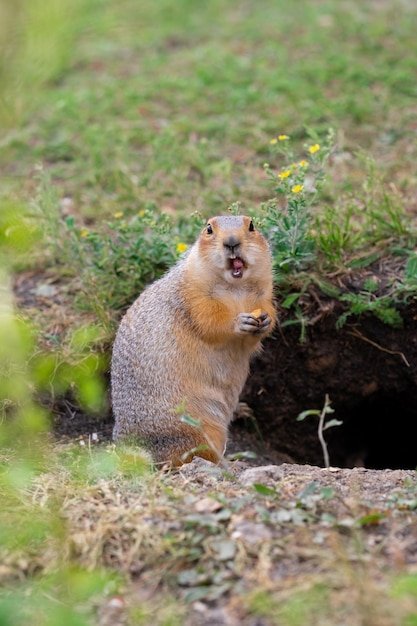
<point x="214" y="386"/>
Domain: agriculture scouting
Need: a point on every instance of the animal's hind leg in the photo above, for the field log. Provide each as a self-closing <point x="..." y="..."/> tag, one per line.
<point x="179" y="448"/>
<point x="215" y="436"/>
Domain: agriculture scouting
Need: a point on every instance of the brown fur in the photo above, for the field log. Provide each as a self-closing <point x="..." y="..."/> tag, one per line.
<point x="187" y="341"/>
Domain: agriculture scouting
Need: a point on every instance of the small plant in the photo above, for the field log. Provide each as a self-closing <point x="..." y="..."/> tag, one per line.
<point x="114" y="261"/>
<point x="119" y="261"/>
<point x="336" y="234"/>
<point x="368" y="301"/>
<point x="288" y="222"/>
<point x="323" y="425"/>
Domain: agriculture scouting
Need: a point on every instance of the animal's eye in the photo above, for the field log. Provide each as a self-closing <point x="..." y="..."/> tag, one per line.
<point x="209" y="229"/>
<point x="251" y="226"/>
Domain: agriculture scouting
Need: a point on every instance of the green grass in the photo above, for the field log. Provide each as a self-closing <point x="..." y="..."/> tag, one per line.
<point x="174" y="103"/>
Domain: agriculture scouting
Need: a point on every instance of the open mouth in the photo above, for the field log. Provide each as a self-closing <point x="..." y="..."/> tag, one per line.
<point x="237" y="266"/>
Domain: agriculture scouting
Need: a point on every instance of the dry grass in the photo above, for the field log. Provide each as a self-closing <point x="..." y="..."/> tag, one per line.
<point x="306" y="547"/>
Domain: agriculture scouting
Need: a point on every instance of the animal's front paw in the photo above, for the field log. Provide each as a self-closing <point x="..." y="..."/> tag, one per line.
<point x="247" y="323"/>
<point x="264" y="322"/>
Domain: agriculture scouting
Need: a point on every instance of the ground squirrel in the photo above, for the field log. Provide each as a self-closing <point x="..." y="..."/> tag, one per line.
<point x="183" y="348"/>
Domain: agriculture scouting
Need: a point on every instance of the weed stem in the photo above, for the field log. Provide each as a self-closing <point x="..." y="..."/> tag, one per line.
<point x="320" y="431"/>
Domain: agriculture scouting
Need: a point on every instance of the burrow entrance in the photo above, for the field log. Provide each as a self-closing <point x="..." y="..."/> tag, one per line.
<point x="369" y="371"/>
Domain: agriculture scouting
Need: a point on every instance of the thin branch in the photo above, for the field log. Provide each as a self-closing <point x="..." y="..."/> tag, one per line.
<point x="358" y="335"/>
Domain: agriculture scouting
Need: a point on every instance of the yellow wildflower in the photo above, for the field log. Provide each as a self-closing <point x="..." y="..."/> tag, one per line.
<point x="141" y="213"/>
<point x="303" y="163"/>
<point x="118" y="214"/>
<point x="283" y="137"/>
<point x="84" y="232"/>
<point x="297" y="188"/>
<point x="284" y="174"/>
<point x="273" y="140"/>
<point x="315" y="148"/>
<point x="181" y="247"/>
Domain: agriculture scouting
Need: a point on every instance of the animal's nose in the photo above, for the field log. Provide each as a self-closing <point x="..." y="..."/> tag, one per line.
<point x="231" y="242"/>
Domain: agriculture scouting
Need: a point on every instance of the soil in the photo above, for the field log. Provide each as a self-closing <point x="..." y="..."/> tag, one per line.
<point x="369" y="371"/>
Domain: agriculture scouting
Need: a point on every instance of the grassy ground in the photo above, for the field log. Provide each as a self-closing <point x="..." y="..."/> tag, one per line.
<point x="170" y="107"/>
<point x="174" y="104"/>
<point x="282" y="546"/>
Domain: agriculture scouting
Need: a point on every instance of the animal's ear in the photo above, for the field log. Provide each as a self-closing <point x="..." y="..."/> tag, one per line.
<point x="251" y="226"/>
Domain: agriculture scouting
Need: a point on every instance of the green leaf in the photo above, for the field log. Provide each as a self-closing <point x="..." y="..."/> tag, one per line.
<point x="305" y="414"/>
<point x="405" y="585"/>
<point x="190" y="421"/>
<point x="332" y="423"/>
<point x="327" y="493"/>
<point x="309" y="490"/>
<point x="264" y="490"/>
<point x="242" y="456"/>
<point x="224" y="549"/>
<point x="197" y="593"/>
<point x="327" y="288"/>
<point x="188" y="577"/>
<point x="370" y="285"/>
<point x="411" y="268"/>
<point x="371" y="519"/>
<point x="290" y="299"/>
<point x="91" y="393"/>
<point x="364" y="261"/>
